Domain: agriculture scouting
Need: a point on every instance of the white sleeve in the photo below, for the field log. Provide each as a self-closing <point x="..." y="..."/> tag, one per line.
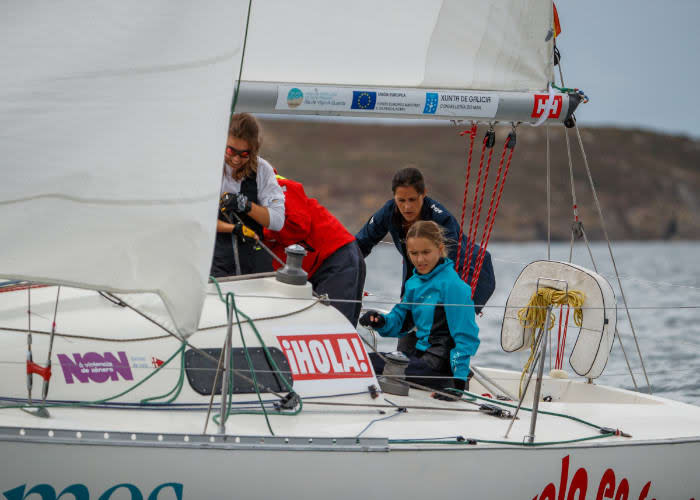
<point x="270" y="194"/>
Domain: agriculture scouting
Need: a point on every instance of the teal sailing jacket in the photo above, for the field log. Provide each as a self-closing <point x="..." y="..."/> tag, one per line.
<point x="444" y="326"/>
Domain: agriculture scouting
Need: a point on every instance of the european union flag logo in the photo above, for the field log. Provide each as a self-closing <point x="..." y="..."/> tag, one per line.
<point x="431" y="103"/>
<point x="363" y="99"/>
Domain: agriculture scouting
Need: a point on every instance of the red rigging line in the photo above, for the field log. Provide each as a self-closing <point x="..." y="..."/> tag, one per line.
<point x="488" y="226"/>
<point x="472" y="137"/>
<point x="561" y="337"/>
<point x="488" y="142"/>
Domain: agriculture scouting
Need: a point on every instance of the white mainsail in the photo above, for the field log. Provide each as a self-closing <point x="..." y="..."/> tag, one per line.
<point x="113" y="118"/>
<point x="451" y="44"/>
<point x="445" y="59"/>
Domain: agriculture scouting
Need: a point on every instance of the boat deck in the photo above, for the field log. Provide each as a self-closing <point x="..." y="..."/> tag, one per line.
<point x="413" y="418"/>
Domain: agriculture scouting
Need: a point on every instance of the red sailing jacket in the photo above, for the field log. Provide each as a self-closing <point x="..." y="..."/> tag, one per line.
<point x="308" y="224"/>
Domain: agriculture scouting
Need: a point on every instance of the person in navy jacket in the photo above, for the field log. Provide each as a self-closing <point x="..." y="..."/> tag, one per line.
<point x="446" y="336"/>
<point x="410" y="204"/>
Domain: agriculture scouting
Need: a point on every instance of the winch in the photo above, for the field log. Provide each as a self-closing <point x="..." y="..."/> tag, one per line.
<point x="393" y="381"/>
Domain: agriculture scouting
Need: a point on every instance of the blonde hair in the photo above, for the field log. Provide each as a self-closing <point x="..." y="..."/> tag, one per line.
<point x="245" y="126"/>
<point x="429" y="230"/>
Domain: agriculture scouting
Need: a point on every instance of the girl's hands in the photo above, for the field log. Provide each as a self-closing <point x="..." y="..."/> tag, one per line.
<point x="372" y="319"/>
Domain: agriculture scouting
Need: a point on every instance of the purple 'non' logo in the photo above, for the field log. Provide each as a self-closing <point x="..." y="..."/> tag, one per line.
<point x="94" y="367"/>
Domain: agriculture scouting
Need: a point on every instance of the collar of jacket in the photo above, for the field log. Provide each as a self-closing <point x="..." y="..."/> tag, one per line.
<point x="439" y="267"/>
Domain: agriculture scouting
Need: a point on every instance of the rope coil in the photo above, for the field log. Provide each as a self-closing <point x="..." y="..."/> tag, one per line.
<point x="534" y="317"/>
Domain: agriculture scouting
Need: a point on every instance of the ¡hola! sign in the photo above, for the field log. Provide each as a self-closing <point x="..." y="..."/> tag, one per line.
<point x="326" y="356"/>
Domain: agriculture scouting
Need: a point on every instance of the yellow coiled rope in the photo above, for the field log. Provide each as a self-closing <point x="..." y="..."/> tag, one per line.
<point x="534" y="316"/>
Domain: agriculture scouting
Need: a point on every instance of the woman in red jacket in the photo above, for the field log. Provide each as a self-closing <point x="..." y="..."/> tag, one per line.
<point x="334" y="262"/>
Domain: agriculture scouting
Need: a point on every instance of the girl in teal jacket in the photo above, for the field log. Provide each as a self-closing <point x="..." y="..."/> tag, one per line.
<point x="446" y="335"/>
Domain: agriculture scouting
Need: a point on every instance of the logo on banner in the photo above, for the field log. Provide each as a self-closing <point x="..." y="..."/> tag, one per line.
<point x="95" y="367"/>
<point x="295" y="97"/>
<point x="363" y="100"/>
<point x="313" y="357"/>
<point x="431" y="103"/>
<point x="541" y="105"/>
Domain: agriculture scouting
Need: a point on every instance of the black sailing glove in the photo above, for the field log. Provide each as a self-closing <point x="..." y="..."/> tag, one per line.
<point x="243" y="204"/>
<point x="237" y="202"/>
<point x="372" y="319"/>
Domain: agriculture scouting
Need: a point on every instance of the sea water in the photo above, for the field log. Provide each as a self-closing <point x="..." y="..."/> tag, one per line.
<point x="660" y="280"/>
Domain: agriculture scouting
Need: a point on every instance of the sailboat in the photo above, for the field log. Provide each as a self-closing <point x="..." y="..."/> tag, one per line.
<point x="126" y="373"/>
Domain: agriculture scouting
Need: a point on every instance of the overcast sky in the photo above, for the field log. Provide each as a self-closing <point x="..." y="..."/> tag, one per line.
<point x="636" y="60"/>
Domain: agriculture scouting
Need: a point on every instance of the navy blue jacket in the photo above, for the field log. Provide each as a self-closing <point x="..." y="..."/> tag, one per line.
<point x="388" y="219"/>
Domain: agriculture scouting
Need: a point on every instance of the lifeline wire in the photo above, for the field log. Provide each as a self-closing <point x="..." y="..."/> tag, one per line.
<point x="623" y="276"/>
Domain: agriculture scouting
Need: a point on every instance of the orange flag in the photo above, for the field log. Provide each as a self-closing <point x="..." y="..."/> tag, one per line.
<point x="557" y="26"/>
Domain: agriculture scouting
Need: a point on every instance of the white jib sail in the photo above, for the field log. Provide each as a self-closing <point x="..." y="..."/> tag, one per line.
<point x="113" y="120"/>
<point x="449" y="44"/>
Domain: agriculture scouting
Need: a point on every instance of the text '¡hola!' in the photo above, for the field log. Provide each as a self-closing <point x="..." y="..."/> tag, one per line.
<point x="325" y="356"/>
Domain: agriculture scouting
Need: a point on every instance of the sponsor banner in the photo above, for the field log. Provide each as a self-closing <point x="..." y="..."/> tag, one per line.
<point x="391" y="101"/>
<point x="326" y="356"/>
<point x="476" y="104"/>
<point x="540" y="104"/>
<point x="95" y="367"/>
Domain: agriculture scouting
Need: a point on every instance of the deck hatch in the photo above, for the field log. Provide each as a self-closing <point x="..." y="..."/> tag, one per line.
<point x="201" y="371"/>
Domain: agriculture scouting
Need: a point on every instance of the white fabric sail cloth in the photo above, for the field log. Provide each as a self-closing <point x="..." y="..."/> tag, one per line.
<point x="113" y="120"/>
<point x="453" y="44"/>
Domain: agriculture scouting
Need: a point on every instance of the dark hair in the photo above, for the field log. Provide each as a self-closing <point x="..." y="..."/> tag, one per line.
<point x="245" y="126"/>
<point x="429" y="230"/>
<point x="408" y="177"/>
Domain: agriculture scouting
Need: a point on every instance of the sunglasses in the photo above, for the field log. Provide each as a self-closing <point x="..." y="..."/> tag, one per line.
<point x="243" y="153"/>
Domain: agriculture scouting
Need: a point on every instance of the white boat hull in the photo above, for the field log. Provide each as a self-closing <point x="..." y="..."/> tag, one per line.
<point x="172" y="468"/>
<point x="125" y="447"/>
